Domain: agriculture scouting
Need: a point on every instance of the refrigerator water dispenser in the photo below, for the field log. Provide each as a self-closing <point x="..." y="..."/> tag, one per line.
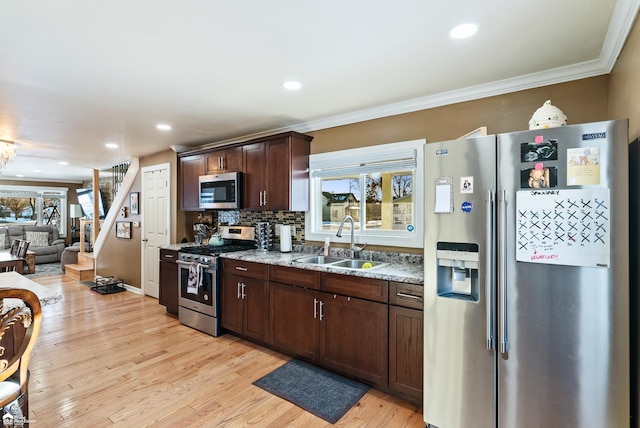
<point x="458" y="270"/>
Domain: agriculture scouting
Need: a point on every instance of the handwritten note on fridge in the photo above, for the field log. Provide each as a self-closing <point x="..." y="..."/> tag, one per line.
<point x="563" y="227"/>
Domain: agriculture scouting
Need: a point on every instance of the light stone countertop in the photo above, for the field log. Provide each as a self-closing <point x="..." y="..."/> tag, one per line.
<point x="412" y="273"/>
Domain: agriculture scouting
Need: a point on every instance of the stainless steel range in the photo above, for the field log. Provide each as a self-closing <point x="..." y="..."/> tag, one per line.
<point x="199" y="277"/>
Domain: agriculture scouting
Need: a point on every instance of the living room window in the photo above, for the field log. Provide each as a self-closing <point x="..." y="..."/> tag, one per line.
<point x="380" y="187"/>
<point x="34" y="205"/>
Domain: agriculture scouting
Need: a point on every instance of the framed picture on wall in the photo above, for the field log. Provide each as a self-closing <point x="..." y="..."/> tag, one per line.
<point x="123" y="229"/>
<point x="134" y="206"/>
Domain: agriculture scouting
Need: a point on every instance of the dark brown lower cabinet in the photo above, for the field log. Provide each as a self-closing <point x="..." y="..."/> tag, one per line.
<point x="244" y="306"/>
<point x="343" y="333"/>
<point x="168" y="280"/>
<point x="354" y="336"/>
<point x="295" y="327"/>
<point x="406" y="351"/>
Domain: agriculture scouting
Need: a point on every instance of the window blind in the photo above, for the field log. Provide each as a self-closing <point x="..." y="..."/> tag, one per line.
<point x="371" y="165"/>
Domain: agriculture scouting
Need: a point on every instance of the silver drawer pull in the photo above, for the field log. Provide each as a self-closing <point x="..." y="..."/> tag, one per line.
<point x="244" y="269"/>
<point x="409" y="296"/>
<point x="167" y="256"/>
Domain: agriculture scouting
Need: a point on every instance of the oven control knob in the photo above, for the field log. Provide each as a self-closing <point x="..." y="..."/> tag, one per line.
<point x="206" y="297"/>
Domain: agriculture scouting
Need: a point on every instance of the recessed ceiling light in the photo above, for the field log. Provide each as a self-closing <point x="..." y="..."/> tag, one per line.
<point x="19" y="175"/>
<point x="63" y="163"/>
<point x="292" y="85"/>
<point x="36" y="170"/>
<point x="463" y="31"/>
<point x="111" y="145"/>
<point x="163" y="127"/>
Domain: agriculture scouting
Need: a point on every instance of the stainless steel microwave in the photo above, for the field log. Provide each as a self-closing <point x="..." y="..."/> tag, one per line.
<point x="221" y="191"/>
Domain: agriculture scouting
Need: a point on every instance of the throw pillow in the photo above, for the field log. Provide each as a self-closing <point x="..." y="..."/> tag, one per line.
<point x="37" y="239"/>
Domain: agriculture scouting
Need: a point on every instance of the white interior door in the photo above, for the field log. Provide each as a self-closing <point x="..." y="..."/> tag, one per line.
<point x="155" y="224"/>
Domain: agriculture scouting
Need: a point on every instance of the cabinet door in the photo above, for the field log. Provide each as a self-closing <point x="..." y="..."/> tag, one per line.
<point x="406" y="351"/>
<point x="233" y="159"/>
<point x="191" y="167"/>
<point x="227" y="160"/>
<point x="254" y="165"/>
<point x="295" y="326"/>
<point x="231" y="303"/>
<point x="278" y="174"/>
<point x="168" y="280"/>
<point x="256" y="308"/>
<point x="354" y="337"/>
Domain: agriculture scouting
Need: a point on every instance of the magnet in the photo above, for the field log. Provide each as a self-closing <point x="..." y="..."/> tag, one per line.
<point x="466" y="184"/>
<point x="410" y="228"/>
<point x="466" y="207"/>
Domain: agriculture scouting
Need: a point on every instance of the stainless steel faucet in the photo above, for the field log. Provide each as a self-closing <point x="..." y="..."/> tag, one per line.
<point x="354" y="250"/>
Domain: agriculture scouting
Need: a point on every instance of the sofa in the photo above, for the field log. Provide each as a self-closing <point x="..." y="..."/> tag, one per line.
<point x="44" y="241"/>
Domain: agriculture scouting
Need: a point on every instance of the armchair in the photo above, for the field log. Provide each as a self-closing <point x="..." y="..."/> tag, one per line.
<point x="18" y="306"/>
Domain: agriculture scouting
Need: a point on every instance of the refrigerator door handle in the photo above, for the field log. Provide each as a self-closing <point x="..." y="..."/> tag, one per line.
<point x="489" y="275"/>
<point x="502" y="272"/>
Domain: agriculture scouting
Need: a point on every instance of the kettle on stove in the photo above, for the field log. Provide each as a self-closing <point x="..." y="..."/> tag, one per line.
<point x="216" y="239"/>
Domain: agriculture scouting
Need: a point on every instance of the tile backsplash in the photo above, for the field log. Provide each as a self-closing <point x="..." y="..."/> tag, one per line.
<point x="251" y="218"/>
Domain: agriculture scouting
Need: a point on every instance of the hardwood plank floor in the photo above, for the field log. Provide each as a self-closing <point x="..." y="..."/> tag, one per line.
<point x="118" y="359"/>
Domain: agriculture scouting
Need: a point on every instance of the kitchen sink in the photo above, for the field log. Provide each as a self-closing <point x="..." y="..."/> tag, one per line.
<point x="339" y="262"/>
<point x="356" y="264"/>
<point x="319" y="260"/>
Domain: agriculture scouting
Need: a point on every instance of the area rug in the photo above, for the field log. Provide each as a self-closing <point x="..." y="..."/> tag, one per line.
<point x="318" y="391"/>
<point x="46" y="269"/>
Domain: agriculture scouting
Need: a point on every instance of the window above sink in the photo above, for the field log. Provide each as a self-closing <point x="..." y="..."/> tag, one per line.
<point x="380" y="187"/>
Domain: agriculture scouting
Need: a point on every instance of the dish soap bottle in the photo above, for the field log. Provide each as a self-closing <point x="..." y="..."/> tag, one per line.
<point x="327" y="244"/>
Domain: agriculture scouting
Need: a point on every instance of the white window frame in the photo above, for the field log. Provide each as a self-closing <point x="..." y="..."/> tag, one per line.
<point x="347" y="159"/>
<point x="40" y="193"/>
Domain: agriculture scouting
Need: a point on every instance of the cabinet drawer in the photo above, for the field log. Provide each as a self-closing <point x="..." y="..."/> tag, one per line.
<point x="168" y="255"/>
<point x="353" y="286"/>
<point x="242" y="268"/>
<point x="407" y="295"/>
<point x="295" y="276"/>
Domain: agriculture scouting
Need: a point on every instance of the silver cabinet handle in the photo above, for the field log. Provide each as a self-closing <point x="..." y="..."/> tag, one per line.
<point x="315" y="308"/>
<point x="243" y="288"/>
<point x="408" y="296"/>
<point x="321" y="311"/>
<point x="488" y="282"/>
<point x="238" y="289"/>
<point x="265" y="197"/>
<point x="243" y="269"/>
<point x="502" y="273"/>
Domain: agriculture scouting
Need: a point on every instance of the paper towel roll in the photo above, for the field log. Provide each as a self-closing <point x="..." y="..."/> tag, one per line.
<point x="285" y="238"/>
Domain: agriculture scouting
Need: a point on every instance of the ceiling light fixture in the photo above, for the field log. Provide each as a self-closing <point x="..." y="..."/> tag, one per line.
<point x="163" y="127"/>
<point x="463" y="31"/>
<point x="111" y="145"/>
<point x="292" y="85"/>
<point x="7" y="152"/>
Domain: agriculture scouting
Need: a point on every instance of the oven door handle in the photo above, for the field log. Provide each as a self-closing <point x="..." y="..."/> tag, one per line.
<point x="200" y="265"/>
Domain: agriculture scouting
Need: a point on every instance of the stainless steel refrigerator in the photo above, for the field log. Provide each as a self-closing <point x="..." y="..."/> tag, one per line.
<point x="526" y="313"/>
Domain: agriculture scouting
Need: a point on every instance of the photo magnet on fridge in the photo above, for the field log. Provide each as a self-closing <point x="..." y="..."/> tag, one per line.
<point x="539" y="150"/>
<point x="466" y="184"/>
<point x="539" y="177"/>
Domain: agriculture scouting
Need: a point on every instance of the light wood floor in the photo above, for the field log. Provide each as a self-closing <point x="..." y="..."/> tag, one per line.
<point x="119" y="360"/>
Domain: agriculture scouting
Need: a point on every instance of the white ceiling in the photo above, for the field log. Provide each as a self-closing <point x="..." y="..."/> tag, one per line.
<point x="75" y="75"/>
